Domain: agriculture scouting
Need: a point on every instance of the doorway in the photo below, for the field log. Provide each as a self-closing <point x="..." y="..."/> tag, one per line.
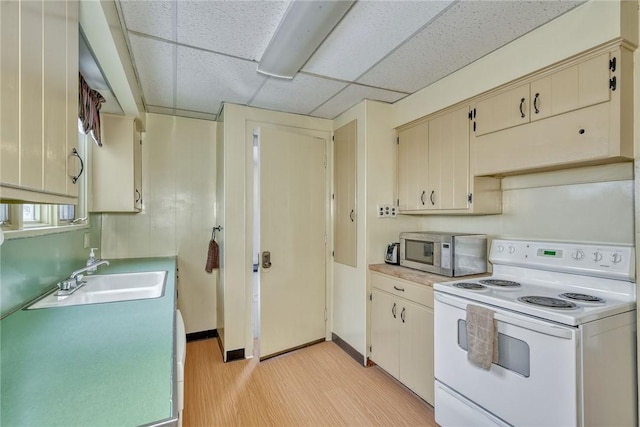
<point x="289" y="238"/>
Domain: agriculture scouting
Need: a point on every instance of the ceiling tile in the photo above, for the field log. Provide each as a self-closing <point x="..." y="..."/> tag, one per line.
<point x="153" y="17"/>
<point x="207" y="79"/>
<point x="154" y="61"/>
<point x="464" y="33"/>
<point x="372" y="29"/>
<point x="238" y="28"/>
<point x="351" y="96"/>
<point x="301" y="95"/>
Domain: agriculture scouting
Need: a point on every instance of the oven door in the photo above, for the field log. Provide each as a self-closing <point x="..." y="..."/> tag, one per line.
<point x="536" y="379"/>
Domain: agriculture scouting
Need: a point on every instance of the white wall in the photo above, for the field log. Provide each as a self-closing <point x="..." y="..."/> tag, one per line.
<point x="179" y="195"/>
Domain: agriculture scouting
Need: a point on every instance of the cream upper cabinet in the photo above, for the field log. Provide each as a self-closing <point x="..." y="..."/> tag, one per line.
<point x="344" y="178"/>
<point x="413" y="159"/>
<point x="571" y="88"/>
<point x="116" y="167"/>
<point x="402" y="332"/>
<point x="448" y="165"/>
<point x="580" y="113"/>
<point x="433" y="169"/>
<point x="39" y="84"/>
<point x="504" y="110"/>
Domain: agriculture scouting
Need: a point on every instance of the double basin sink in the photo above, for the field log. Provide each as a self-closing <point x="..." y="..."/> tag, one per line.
<point x="109" y="288"/>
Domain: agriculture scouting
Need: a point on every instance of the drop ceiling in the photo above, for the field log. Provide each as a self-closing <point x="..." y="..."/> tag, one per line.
<point x="192" y="56"/>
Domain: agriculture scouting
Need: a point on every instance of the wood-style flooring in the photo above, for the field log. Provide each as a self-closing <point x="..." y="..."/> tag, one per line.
<point x="318" y="385"/>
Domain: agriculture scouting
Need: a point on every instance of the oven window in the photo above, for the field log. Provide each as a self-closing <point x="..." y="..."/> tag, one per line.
<point x="419" y="251"/>
<point x="513" y="354"/>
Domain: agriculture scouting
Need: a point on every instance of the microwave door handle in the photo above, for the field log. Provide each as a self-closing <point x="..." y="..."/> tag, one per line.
<point x="530" y="324"/>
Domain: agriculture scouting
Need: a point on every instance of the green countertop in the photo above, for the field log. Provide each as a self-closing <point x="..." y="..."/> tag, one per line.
<point x="91" y="365"/>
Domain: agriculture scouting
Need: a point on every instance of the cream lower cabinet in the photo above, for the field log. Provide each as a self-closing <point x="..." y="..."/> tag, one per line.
<point x="116" y="167"/>
<point x="402" y="332"/>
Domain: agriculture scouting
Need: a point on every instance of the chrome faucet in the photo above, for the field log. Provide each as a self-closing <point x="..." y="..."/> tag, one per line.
<point x="75" y="282"/>
<point x="78" y="273"/>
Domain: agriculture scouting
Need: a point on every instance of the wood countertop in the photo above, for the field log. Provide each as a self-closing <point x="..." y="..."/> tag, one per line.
<point x="416" y="276"/>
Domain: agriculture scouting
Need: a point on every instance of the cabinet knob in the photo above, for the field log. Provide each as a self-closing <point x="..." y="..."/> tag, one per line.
<point x="581" y="131"/>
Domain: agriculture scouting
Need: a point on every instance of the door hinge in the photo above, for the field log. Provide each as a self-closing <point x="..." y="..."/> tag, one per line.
<point x="612" y="83"/>
<point x="398" y="140"/>
<point x="325" y="162"/>
<point x="371" y="296"/>
<point x="325" y="238"/>
<point x="333" y="196"/>
<point x="470" y="198"/>
<point x="370" y="348"/>
<point x="333" y="254"/>
<point x="612" y="64"/>
<point x="397" y="202"/>
<point x="333" y="138"/>
<point x="470" y="114"/>
<point x="325" y="314"/>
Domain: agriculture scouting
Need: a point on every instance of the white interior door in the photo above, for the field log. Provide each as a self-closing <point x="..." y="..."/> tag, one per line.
<point x="292" y="231"/>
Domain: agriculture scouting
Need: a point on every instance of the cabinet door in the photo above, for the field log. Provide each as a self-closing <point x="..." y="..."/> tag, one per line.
<point x="571" y="88"/>
<point x="413" y="159"/>
<point x="449" y="161"/>
<point x="73" y="167"/>
<point x="501" y="111"/>
<point x="10" y="89"/>
<point x="416" y="349"/>
<point x="137" y="170"/>
<point x="385" y="312"/>
<point x="344" y="169"/>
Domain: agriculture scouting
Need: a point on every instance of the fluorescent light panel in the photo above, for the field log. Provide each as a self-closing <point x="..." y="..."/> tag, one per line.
<point x="303" y="28"/>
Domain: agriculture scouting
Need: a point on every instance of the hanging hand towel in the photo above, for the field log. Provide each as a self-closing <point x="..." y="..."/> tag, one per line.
<point x="482" y="336"/>
<point x="213" y="256"/>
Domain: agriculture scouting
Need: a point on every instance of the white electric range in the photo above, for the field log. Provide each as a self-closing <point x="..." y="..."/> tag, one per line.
<point x="566" y="323"/>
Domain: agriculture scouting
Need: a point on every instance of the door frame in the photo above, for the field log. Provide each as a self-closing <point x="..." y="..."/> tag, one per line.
<point x="250" y="126"/>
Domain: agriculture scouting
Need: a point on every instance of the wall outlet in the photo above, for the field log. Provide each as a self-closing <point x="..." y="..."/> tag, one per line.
<point x="386" y="211"/>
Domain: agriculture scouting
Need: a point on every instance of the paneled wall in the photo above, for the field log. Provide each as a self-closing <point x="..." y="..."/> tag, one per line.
<point x="179" y="196"/>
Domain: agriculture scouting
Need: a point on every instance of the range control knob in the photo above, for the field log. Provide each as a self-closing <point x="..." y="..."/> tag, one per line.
<point x="500" y="248"/>
<point x="512" y="249"/>
<point x="597" y="256"/>
<point x="577" y="255"/>
<point x="616" y="258"/>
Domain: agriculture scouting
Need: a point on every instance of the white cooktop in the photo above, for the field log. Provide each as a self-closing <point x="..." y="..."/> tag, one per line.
<point x="549" y="269"/>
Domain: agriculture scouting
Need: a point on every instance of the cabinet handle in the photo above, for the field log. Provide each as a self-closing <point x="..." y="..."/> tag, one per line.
<point x="433" y="192"/>
<point x="522" y="108"/>
<point x="535" y="103"/>
<point x="398" y="289"/>
<point x="74" y="179"/>
<point x="393" y="310"/>
<point x="351" y="215"/>
<point x="138" y="196"/>
<point x="402" y="315"/>
<point x="422" y="197"/>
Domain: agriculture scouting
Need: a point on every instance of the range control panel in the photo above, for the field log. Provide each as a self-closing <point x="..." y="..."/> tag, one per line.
<point x="595" y="260"/>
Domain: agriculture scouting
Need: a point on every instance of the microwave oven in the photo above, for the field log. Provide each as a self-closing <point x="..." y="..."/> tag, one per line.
<point x="447" y="254"/>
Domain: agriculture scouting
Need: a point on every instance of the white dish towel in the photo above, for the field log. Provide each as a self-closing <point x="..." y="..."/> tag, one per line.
<point x="482" y="336"/>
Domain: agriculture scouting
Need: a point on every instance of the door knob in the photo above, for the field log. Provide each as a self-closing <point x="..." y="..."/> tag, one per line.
<point x="266" y="259"/>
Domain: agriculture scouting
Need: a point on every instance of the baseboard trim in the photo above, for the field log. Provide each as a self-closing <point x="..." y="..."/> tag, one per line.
<point x="355" y="354"/>
<point x="202" y="335"/>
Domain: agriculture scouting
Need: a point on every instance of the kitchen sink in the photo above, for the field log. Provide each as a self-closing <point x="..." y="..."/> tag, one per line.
<point x="109" y="288"/>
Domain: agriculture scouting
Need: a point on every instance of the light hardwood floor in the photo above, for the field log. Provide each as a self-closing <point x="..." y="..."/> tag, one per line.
<point x="318" y="385"/>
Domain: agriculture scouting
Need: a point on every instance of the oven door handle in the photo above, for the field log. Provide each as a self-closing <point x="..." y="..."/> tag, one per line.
<point x="530" y="324"/>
